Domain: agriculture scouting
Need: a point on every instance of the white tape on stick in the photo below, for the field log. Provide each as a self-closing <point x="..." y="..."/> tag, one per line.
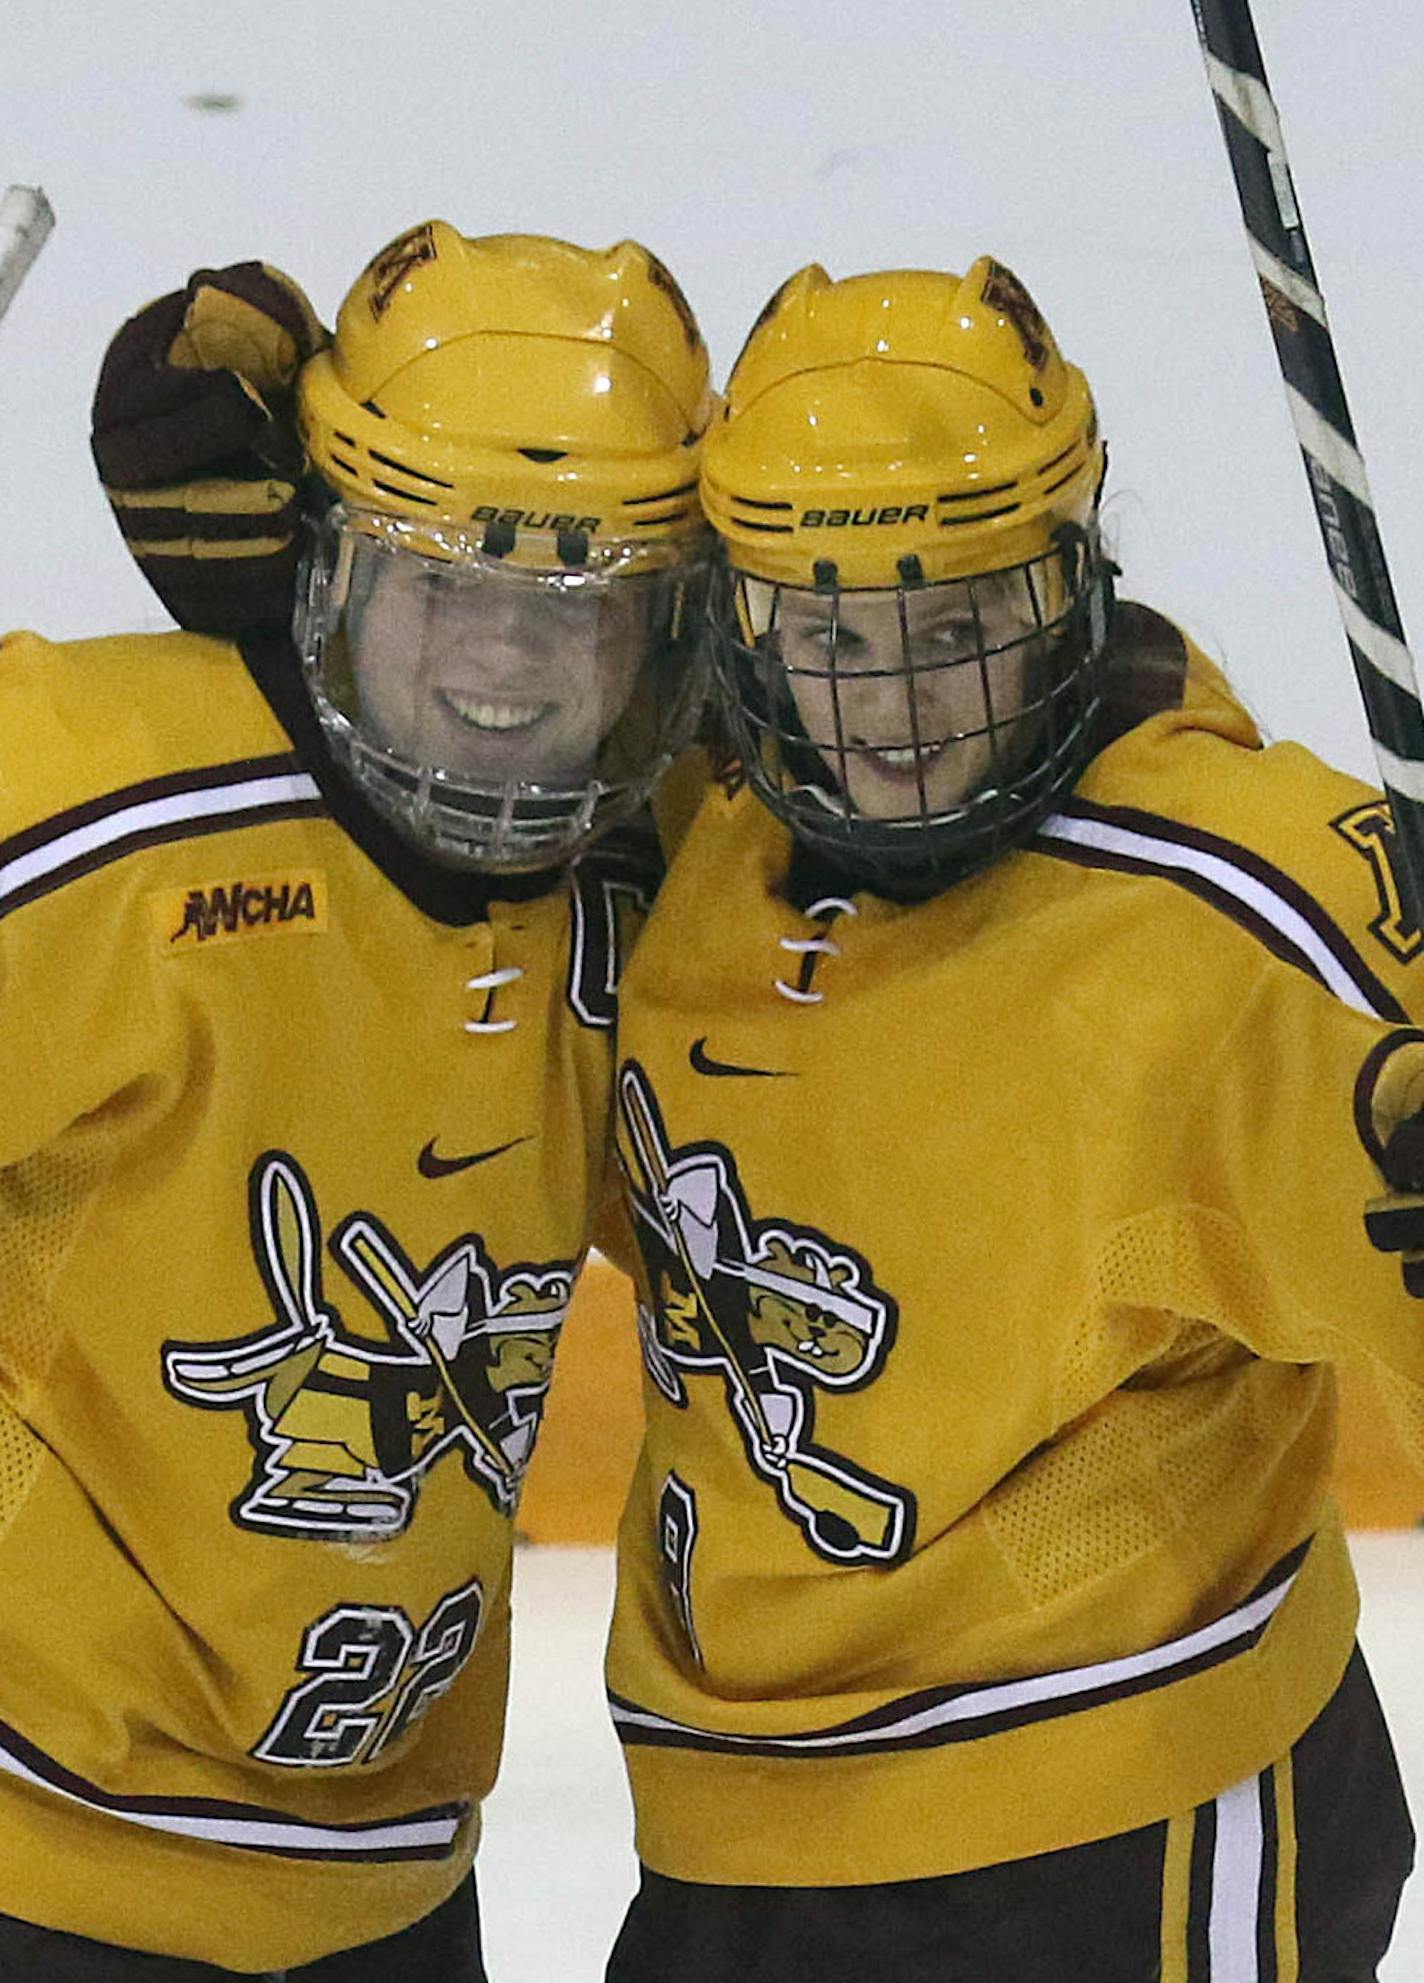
<point x="26" y="218"/>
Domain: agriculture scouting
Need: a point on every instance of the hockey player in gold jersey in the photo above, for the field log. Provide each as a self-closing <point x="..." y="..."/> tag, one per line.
<point x="308" y="953"/>
<point x="1003" y="1074"/>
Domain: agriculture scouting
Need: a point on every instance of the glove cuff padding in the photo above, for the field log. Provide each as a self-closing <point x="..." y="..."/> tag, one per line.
<point x="194" y="435"/>
<point x="1389" y="1108"/>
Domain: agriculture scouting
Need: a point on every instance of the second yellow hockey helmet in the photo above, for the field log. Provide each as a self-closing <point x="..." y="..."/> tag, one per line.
<point x="914" y="606"/>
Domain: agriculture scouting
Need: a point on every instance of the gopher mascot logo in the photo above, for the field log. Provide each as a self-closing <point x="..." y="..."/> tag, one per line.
<point x="778" y="1310"/>
<point x="345" y="1425"/>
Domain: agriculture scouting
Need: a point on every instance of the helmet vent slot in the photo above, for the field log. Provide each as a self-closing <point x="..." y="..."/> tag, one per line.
<point x="406" y="495"/>
<point x="637" y="502"/>
<point x="979" y="516"/>
<point x="1062" y="481"/>
<point x="544" y="454"/>
<point x="401" y="468"/>
<point x="977" y="495"/>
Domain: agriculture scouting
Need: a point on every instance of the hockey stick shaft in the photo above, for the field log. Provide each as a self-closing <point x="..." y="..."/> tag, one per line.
<point x="26" y="218"/>
<point x="1315" y="393"/>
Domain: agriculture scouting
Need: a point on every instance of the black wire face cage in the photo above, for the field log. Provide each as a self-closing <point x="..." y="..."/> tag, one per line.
<point x="911" y="735"/>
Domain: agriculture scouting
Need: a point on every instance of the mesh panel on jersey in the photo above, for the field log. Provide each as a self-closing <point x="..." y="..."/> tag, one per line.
<point x="1089" y="1503"/>
<point x="1201" y="1261"/>
<point x="20" y="1456"/>
<point x="1106" y="1351"/>
<point x="1195" y="1262"/>
<point x="1404" y="1403"/>
<point x="1129" y="1474"/>
<point x="42" y="1200"/>
<point x="1206" y="1435"/>
<point x="1158" y="1412"/>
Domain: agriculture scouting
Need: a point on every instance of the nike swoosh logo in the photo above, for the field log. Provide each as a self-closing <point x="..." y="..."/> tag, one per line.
<point x="429" y="1165"/>
<point x="703" y="1063"/>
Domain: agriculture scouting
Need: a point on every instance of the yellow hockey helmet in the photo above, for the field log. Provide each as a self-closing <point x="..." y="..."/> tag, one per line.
<point x="501" y="595"/>
<point x="513" y="380"/>
<point x="909" y="414"/>
<point x="913" y="606"/>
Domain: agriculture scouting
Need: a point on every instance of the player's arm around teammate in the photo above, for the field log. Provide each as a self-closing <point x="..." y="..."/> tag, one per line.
<point x="308" y="950"/>
<point x="1002" y="1077"/>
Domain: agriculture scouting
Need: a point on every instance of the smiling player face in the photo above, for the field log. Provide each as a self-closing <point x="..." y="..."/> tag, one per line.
<point x="911" y="697"/>
<point x="498" y="675"/>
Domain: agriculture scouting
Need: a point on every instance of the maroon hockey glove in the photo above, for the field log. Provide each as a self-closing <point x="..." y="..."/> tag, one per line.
<point x="195" y="438"/>
<point x="1389" y="1110"/>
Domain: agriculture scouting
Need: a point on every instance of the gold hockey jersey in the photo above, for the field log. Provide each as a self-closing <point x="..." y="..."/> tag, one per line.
<point x="296" y="1169"/>
<point x="994" y="1254"/>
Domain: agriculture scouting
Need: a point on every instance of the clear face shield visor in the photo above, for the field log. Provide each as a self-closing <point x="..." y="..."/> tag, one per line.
<point x="502" y="708"/>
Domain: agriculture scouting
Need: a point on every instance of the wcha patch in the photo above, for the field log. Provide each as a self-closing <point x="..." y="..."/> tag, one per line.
<point x="216" y="912"/>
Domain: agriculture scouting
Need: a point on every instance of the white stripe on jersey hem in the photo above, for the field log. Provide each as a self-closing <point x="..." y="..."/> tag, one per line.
<point x="150" y="815"/>
<point x="1225" y="875"/>
<point x="984" y="1703"/>
<point x="1236" y="1885"/>
<point x="263" y="1833"/>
